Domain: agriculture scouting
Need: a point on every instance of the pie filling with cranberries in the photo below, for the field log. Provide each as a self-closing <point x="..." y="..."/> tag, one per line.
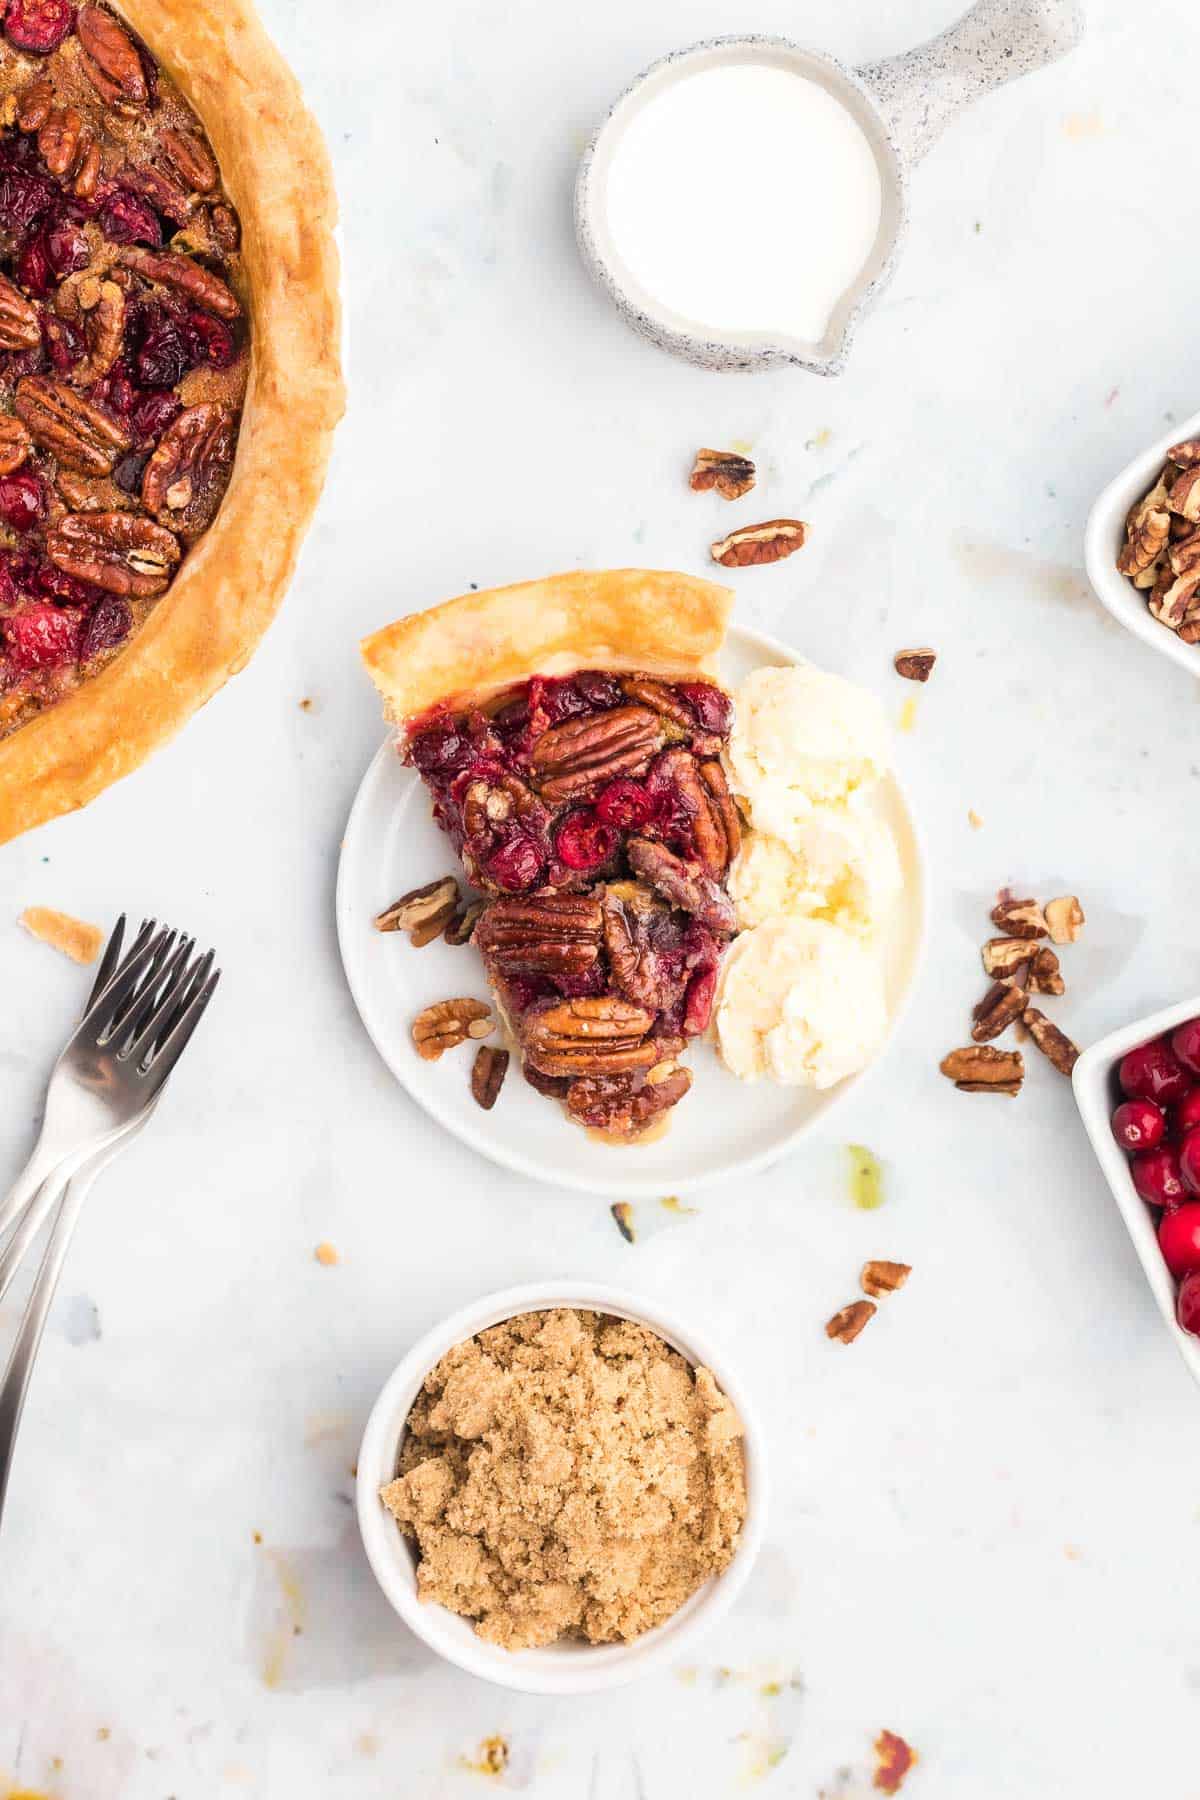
<point x="124" y="348"/>
<point x="590" y="809"/>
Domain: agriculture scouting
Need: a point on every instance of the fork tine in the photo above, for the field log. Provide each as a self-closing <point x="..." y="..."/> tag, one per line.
<point x="108" y="962"/>
<point x="170" y="1001"/>
<point x="99" y="1017"/>
<point x="162" y="1060"/>
<point x="162" y="973"/>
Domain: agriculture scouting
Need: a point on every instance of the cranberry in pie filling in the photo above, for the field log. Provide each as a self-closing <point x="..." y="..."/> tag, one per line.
<point x="593" y="813"/>
<point x="123" y="344"/>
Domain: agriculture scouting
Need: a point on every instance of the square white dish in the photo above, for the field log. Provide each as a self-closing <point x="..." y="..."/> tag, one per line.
<point x="1105" y="534"/>
<point x="1094" y="1082"/>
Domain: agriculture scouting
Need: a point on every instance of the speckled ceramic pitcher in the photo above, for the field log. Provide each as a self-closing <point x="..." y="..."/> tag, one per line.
<point x="902" y="105"/>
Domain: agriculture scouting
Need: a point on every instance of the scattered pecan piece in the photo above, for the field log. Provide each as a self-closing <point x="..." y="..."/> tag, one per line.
<point x="893" y="1760"/>
<point x="1003" y="1002"/>
<point x="576" y="759"/>
<point x="883" y="1277"/>
<point x="980" y="1069"/>
<point x="78" y="433"/>
<point x="121" y="552"/>
<point x="546" y="934"/>
<point x="449" y="1022"/>
<point x="732" y="475"/>
<point x="1054" y="1044"/>
<point x="437" y="899"/>
<point x="15" y="443"/>
<point x="1044" y="976"/>
<point x="914" y="665"/>
<point x="622" y="1214"/>
<point x="846" y="1325"/>
<point x="462" y="925"/>
<point x="181" y="275"/>
<point x="1019" y="918"/>
<point x="110" y="59"/>
<point x="487" y="1075"/>
<point x="753" y="544"/>
<point x="1006" y="956"/>
<point x="1065" y="919"/>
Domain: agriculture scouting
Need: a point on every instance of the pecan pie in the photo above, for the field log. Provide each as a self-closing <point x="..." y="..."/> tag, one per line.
<point x="570" y="737"/>
<point x="168" y="373"/>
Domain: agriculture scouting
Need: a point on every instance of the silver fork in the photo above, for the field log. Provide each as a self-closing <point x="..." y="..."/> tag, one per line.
<point x="191" y="995"/>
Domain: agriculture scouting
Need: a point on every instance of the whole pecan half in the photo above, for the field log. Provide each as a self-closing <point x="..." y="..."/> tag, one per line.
<point x="121" y="552"/>
<point x="59" y="139"/>
<point x="544" y="934"/>
<point x="183" y="276"/>
<point x="597" y="1035"/>
<point x="577" y="758"/>
<point x="19" y="326"/>
<point x="110" y="59"/>
<point x="639" y="970"/>
<point x="450" y="1022"/>
<point x="15" y="443"/>
<point x="487" y="1075"/>
<point x="1044" y="973"/>
<point x="980" y="1069"/>
<point x="185" y="480"/>
<point x="730" y="474"/>
<point x="420" y="905"/>
<point x="845" y="1326"/>
<point x="723" y="804"/>
<point x="660" y="699"/>
<point x="79" y="434"/>
<point x="683" y="885"/>
<point x="191" y="159"/>
<point x="766" y="543"/>
<point x="704" y="812"/>
<point x="622" y="1105"/>
<point x="105" y="335"/>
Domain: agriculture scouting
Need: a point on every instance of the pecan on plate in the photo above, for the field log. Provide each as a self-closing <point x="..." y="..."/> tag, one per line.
<point x="683" y="884"/>
<point x="191" y="159"/>
<point x="730" y="474"/>
<point x="1064" y="918"/>
<point x="619" y="1106"/>
<point x="110" y="59"/>
<point x="1019" y="918"/>
<point x="980" y="1069"/>
<point x="78" y="433"/>
<point x="883" y="1277"/>
<point x="845" y="1326"/>
<point x="436" y="899"/>
<point x="15" y="443"/>
<point x="1147" y="529"/>
<point x="1003" y="1002"/>
<point x="19" y="326"/>
<point x="121" y="552"/>
<point x="183" y="276"/>
<point x="596" y="1035"/>
<point x="450" y="1022"/>
<point x="487" y="1075"/>
<point x="627" y="911"/>
<point x="1054" y="1044"/>
<point x="1006" y="955"/>
<point x="545" y="934"/>
<point x="914" y="665"/>
<point x="576" y="759"/>
<point x="753" y="544"/>
<point x="1044" y="975"/>
<point x="704" y="811"/>
<point x="462" y="925"/>
<point x="185" y="480"/>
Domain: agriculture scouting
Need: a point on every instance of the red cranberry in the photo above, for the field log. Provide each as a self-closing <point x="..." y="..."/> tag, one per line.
<point x="24" y="198"/>
<point x="107" y="624"/>
<point x="584" y="841"/>
<point x="164" y="356"/>
<point x="38" y="26"/>
<point x="43" y="637"/>
<point x="439" y="749"/>
<point x="625" y="804"/>
<point x="1156" y="1176"/>
<point x="712" y="707"/>
<point x="153" y="412"/>
<point x="1138" y="1125"/>
<point x="1187" y="1305"/>
<point x="1189" y="1162"/>
<point x="128" y="219"/>
<point x="22" y="500"/>
<point x="1153" y="1072"/>
<point x="33" y="268"/>
<point x="516" y="864"/>
<point x="1185" y="1042"/>
<point x="1185" y="1114"/>
<point x="556" y="700"/>
<point x="598" y="688"/>
<point x="64" y="342"/>
<point x="697" y="1008"/>
<point x="1179" y="1238"/>
<point x="212" y="340"/>
<point x="66" y="247"/>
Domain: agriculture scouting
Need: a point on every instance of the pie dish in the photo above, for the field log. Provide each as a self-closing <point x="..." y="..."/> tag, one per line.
<point x="169" y="374"/>
<point x="570" y="735"/>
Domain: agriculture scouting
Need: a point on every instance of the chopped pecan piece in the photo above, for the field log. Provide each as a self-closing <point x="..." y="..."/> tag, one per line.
<point x="893" y="1761"/>
<point x="110" y="59"/>
<point x="1185" y="454"/>
<point x="463" y="923"/>
<point x="979" y="1069"/>
<point x="883" y="1277"/>
<point x="1053" y="1043"/>
<point x="846" y="1325"/>
<point x="184" y="481"/>
<point x="732" y="475"/>
<point x="449" y="1022"/>
<point x="121" y="552"/>
<point x="914" y="665"/>
<point x="1044" y="976"/>
<point x="1064" y="919"/>
<point x="487" y="1075"/>
<point x="1003" y="1002"/>
<point x="420" y="905"/>
<point x="1019" y="918"/>
<point x="183" y="276"/>
<point x="618" y="1106"/>
<point x="19" y="326"/>
<point x="684" y="885"/>
<point x="1183" y="495"/>
<point x="78" y="433"/>
<point x="1005" y="956"/>
<point x="596" y="1035"/>
<point x="753" y="544"/>
<point x="1147" y="529"/>
<point x="546" y="934"/>
<point x="15" y="443"/>
<point x="576" y="759"/>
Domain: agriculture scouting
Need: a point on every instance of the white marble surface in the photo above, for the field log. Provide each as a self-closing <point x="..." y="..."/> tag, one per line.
<point x="985" y="1523"/>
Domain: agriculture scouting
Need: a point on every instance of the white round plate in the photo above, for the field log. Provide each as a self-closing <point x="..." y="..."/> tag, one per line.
<point x="722" y="1127"/>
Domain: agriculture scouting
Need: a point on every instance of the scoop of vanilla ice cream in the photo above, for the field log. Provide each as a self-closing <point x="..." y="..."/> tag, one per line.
<point x="803" y="738"/>
<point x="841" y="866"/>
<point x="802" y="1001"/>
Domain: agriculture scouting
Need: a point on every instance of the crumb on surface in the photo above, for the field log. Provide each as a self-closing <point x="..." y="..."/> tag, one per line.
<point x="622" y="1213"/>
<point x="326" y="1255"/>
<point x="974" y="820"/>
<point x="491" y="1758"/>
<point x="568" y="1474"/>
<point x="74" y="937"/>
<point x="893" y="1760"/>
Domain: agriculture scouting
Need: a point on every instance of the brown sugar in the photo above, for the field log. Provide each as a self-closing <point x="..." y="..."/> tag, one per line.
<point x="568" y="1474"/>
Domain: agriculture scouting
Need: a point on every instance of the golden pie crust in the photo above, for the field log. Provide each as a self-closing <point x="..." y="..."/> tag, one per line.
<point x="649" y="620"/>
<point x="276" y="170"/>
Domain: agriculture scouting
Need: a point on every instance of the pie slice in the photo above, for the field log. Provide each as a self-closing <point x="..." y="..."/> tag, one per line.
<point x="570" y="734"/>
<point x="169" y="375"/>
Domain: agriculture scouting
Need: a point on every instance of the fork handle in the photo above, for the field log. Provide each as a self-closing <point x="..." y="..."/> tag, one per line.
<point x="25" y="1346"/>
<point x="21" y="1195"/>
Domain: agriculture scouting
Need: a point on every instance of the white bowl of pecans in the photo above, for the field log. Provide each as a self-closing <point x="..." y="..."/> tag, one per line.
<point x="1142" y="545"/>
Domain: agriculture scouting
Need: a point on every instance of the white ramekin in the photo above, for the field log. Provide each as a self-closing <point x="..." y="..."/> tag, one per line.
<point x="565" y="1668"/>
